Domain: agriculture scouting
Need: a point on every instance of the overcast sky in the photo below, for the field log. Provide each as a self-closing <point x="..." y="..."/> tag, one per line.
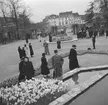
<point x="41" y="8"/>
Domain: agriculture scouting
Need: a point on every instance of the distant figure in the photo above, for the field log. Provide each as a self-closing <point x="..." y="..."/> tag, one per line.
<point x="87" y="34"/>
<point x="44" y="66"/>
<point x="59" y="44"/>
<point x="73" y="62"/>
<point x="39" y="37"/>
<point x="57" y="63"/>
<point x="50" y="38"/>
<point x="46" y="48"/>
<point x="20" y="52"/>
<point x="106" y="33"/>
<point x="31" y="50"/>
<point x="93" y="41"/>
<point x="21" y="71"/>
<point x="28" y="68"/>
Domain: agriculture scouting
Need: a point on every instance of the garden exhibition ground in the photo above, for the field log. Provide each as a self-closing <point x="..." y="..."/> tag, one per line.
<point x="95" y="96"/>
<point x="10" y="58"/>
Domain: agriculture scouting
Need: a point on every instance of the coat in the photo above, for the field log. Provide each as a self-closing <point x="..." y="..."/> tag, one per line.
<point x="21" y="70"/>
<point x="44" y="66"/>
<point x="57" y="62"/>
<point x="31" y="50"/>
<point x="28" y="69"/>
<point x="73" y="61"/>
<point x="59" y="44"/>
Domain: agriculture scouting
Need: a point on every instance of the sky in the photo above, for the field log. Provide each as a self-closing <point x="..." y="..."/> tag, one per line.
<point x="42" y="8"/>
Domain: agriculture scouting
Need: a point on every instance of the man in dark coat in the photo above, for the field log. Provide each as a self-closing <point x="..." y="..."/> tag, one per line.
<point x="20" y="52"/>
<point x="21" y="70"/>
<point x="93" y="41"/>
<point x="31" y="50"/>
<point x="58" y="44"/>
<point x="28" y="68"/>
<point x="73" y="62"/>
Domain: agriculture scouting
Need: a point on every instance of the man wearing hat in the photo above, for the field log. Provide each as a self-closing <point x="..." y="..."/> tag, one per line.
<point x="57" y="63"/>
<point x="73" y="62"/>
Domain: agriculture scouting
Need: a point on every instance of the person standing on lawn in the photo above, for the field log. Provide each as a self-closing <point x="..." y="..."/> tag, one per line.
<point x="58" y="44"/>
<point x="26" y="48"/>
<point x="46" y="48"/>
<point x="94" y="41"/>
<point x="57" y="63"/>
<point x="21" y="70"/>
<point x="31" y="50"/>
<point x="44" y="66"/>
<point x="28" y="68"/>
<point x="73" y="62"/>
<point x="20" y="52"/>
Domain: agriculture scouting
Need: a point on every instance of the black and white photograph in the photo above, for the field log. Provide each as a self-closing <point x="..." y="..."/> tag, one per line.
<point x="53" y="52"/>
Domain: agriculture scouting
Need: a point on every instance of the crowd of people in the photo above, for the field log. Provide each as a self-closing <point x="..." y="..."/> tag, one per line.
<point x="26" y="67"/>
<point x="26" y="51"/>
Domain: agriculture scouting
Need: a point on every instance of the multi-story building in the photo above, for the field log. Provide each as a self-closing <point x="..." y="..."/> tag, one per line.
<point x="64" y="19"/>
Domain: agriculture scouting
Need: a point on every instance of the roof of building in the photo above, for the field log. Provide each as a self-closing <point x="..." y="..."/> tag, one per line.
<point x="62" y="14"/>
<point x="83" y="17"/>
<point x="75" y="14"/>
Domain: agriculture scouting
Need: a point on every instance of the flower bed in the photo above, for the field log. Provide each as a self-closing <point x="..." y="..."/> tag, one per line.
<point x="35" y="91"/>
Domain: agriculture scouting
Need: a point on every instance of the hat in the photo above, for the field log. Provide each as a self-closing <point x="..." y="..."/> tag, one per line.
<point x="73" y="45"/>
<point x="55" y="51"/>
<point x="43" y="54"/>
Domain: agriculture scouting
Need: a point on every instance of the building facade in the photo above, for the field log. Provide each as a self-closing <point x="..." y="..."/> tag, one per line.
<point x="64" y="19"/>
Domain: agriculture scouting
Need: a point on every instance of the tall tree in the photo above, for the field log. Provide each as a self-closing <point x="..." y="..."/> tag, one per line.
<point x="90" y="13"/>
<point x="15" y="9"/>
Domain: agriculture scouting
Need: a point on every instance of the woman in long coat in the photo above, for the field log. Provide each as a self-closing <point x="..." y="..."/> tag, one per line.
<point x="59" y="44"/>
<point x="21" y="71"/>
<point x="31" y="50"/>
<point x="44" y="66"/>
<point x="28" y="68"/>
<point x="20" y="52"/>
<point x="46" y="48"/>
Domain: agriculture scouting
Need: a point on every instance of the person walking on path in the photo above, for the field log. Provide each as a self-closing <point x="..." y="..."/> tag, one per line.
<point x="46" y="48"/>
<point x="58" y="44"/>
<point x="44" y="66"/>
<point x="28" y="68"/>
<point x="73" y="62"/>
<point x="31" y="50"/>
<point x="20" y="52"/>
<point x="21" y="71"/>
<point x="57" y="63"/>
<point x="26" y="48"/>
<point x="94" y="41"/>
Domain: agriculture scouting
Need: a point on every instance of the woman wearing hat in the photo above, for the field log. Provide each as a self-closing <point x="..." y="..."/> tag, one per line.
<point x="44" y="66"/>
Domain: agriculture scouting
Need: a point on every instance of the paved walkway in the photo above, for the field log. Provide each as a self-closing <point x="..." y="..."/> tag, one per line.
<point x="97" y="95"/>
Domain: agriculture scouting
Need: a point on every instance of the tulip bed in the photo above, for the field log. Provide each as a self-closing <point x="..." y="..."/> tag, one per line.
<point x="32" y="92"/>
